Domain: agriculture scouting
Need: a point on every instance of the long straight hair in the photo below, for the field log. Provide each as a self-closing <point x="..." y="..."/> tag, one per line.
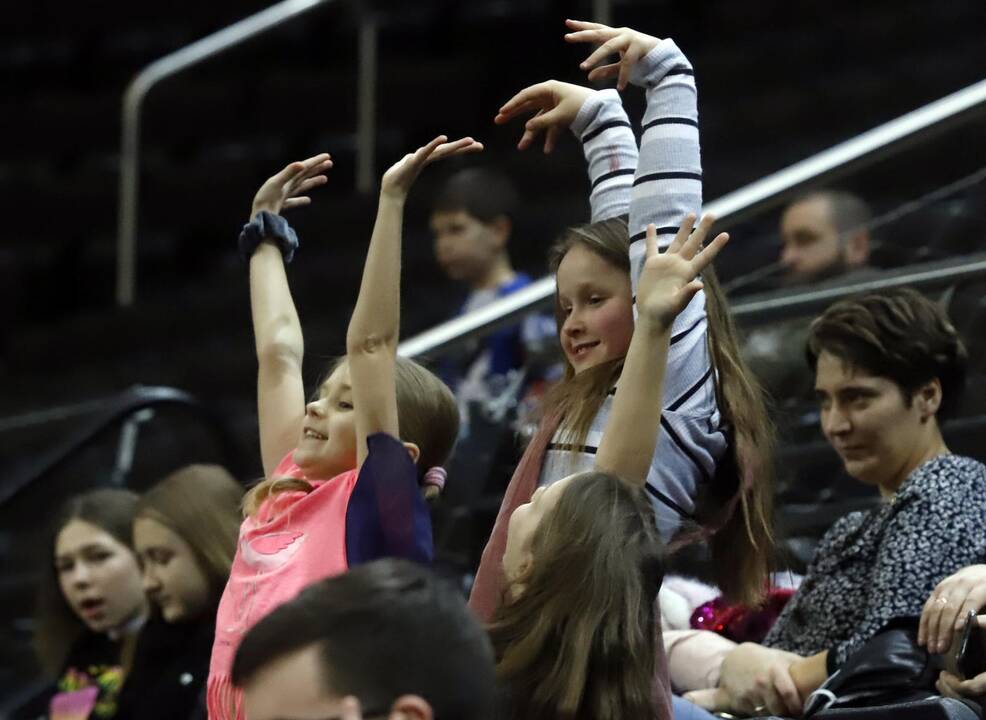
<point x="200" y="504"/>
<point x="58" y="627"/>
<point x="735" y="511"/>
<point x="575" y="637"/>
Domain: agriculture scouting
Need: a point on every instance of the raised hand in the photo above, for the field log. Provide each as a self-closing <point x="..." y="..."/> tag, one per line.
<point x="397" y="181"/>
<point x="668" y="280"/>
<point x="286" y="189"/>
<point x="554" y="104"/>
<point x="629" y="44"/>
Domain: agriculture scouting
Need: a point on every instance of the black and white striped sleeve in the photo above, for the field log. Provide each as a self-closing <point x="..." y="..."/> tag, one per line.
<point x="610" y="151"/>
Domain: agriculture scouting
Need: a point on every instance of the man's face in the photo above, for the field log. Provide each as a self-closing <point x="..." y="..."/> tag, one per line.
<point x="465" y="247"/>
<point x="811" y="247"/>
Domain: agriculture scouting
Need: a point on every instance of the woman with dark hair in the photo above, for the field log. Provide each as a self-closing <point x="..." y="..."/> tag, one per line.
<point x="91" y="606"/>
<point x="185" y="535"/>
<point x="887" y="366"/>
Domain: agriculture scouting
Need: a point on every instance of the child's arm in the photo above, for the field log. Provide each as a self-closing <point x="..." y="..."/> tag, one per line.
<point x="668" y="181"/>
<point x="599" y="122"/>
<point x="667" y="285"/>
<point x="277" y="331"/>
<point x="371" y="341"/>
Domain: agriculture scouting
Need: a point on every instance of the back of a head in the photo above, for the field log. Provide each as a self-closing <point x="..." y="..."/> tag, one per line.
<point x="898" y="334"/>
<point x="578" y="638"/>
<point x="483" y="192"/>
<point x="427" y="414"/>
<point x="201" y="504"/>
<point x="109" y="509"/>
<point x="386" y="629"/>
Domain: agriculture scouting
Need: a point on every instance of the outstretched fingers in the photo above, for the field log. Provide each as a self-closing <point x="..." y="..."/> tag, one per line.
<point x="614" y="45"/>
<point x="683" y="232"/>
<point x="526" y="99"/>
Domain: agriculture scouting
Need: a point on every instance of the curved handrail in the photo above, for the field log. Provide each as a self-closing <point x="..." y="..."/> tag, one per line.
<point x="114" y="410"/>
<point x="859" y="151"/>
<point x="133" y="99"/>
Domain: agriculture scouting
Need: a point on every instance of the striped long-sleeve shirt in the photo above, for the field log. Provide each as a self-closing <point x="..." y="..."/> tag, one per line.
<point x="659" y="184"/>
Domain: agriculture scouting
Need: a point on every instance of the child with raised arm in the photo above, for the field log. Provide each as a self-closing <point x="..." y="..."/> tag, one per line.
<point x="712" y="466"/>
<point x="344" y="472"/>
<point x="577" y="635"/>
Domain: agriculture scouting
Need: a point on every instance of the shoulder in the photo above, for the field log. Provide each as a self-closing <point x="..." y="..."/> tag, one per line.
<point x="944" y="478"/>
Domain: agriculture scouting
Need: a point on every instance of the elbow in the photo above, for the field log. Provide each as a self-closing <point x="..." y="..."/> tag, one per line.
<point x="362" y="343"/>
<point x="280" y="353"/>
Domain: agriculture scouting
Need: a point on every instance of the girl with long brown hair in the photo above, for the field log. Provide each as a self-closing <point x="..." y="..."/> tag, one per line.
<point x="91" y="606"/>
<point x="710" y="475"/>
<point x="577" y="634"/>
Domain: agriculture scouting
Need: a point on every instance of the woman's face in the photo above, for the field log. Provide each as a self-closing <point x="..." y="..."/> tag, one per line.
<point x="878" y="434"/>
<point x="99" y="576"/>
<point x="597" y="306"/>
<point x="327" y="445"/>
<point x="524" y="522"/>
<point x="173" y="578"/>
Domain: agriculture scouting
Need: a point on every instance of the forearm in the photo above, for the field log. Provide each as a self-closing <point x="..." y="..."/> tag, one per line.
<point x="668" y="182"/>
<point x="630" y="438"/>
<point x="277" y="330"/>
<point x="375" y="323"/>
<point x="371" y="341"/>
<point x="610" y="150"/>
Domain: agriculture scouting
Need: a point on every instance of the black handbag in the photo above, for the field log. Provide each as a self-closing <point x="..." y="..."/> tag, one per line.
<point x="891" y="677"/>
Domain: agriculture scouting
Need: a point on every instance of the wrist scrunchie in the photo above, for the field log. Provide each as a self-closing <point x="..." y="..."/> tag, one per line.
<point x="268" y="227"/>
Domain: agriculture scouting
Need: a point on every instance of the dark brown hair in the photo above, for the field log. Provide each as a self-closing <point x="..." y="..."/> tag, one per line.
<point x="201" y="504"/>
<point x="58" y="627"/>
<point x="897" y="334"/>
<point x="575" y="636"/>
<point x="484" y="193"/>
<point x="427" y="415"/>
<point x="385" y="629"/>
<point x="737" y="508"/>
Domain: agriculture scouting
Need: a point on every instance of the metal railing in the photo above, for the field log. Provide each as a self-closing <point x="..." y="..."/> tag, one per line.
<point x="862" y="150"/>
<point x="133" y="100"/>
<point x="120" y="408"/>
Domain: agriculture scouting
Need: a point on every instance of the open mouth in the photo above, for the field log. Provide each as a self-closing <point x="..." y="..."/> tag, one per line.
<point x="581" y="349"/>
<point x="92" y="606"/>
<point x="309" y="433"/>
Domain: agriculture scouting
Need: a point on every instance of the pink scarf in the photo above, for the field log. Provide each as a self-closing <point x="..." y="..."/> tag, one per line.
<point x="487" y="590"/>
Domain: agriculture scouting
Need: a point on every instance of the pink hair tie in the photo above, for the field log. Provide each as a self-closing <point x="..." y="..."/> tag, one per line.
<point x="436" y="476"/>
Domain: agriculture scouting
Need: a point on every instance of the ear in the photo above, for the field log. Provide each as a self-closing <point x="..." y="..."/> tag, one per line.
<point x="928" y="399"/>
<point x="858" y="248"/>
<point x="410" y="707"/>
<point x="413" y="450"/>
<point x="501" y="227"/>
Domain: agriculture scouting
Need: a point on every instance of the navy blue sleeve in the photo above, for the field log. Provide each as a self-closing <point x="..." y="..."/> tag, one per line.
<point x="387" y="514"/>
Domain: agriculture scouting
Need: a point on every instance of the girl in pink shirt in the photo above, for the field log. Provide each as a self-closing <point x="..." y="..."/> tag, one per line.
<point x="343" y="473"/>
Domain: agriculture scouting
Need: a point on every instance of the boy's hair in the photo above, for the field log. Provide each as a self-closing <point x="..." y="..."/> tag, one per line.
<point x="742" y="543"/>
<point x="384" y="629"/>
<point x="427" y="415"/>
<point x="578" y="639"/>
<point x="200" y="504"/>
<point x="58" y="628"/>
<point x="897" y="334"/>
<point x="484" y="193"/>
